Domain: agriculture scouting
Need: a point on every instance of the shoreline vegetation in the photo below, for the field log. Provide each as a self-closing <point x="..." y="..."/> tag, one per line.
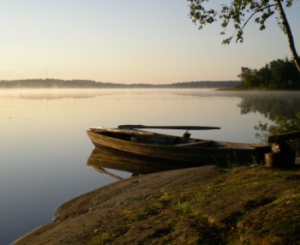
<point x="58" y="83"/>
<point x="90" y="84"/>
<point x="280" y="74"/>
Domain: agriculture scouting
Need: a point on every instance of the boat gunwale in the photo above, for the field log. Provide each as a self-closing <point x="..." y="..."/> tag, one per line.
<point x="194" y="141"/>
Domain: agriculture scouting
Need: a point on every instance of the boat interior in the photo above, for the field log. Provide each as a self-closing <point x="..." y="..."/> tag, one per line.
<point x="156" y="138"/>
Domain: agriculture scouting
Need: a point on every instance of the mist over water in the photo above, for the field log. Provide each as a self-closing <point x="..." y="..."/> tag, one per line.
<point x="44" y="149"/>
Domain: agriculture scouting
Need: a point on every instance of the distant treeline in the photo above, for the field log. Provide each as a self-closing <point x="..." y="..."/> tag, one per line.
<point x="57" y="83"/>
<point x="277" y="74"/>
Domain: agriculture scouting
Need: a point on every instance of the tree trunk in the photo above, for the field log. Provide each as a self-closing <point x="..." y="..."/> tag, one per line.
<point x="289" y="34"/>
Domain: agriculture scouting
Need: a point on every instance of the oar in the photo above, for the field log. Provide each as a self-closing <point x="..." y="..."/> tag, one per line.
<point x="130" y="126"/>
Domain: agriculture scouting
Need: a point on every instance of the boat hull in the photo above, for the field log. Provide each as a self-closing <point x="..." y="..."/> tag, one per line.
<point x="195" y="153"/>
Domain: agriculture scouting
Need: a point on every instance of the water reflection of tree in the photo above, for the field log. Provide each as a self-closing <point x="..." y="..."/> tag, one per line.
<point x="271" y="105"/>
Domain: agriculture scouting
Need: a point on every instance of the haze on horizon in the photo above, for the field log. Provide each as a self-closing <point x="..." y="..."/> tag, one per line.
<point x="128" y="42"/>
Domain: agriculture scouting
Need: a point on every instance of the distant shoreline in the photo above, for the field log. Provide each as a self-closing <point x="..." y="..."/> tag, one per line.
<point x="58" y="83"/>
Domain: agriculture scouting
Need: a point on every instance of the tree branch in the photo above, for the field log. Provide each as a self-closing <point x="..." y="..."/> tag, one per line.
<point x="257" y="11"/>
<point x="227" y="40"/>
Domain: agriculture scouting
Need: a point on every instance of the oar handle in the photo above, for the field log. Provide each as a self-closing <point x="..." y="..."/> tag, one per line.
<point x="132" y="126"/>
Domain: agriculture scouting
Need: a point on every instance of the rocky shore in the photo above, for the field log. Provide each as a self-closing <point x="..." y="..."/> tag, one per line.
<point x="204" y="205"/>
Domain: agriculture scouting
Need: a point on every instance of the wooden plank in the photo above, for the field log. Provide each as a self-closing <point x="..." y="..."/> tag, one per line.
<point x="283" y="137"/>
<point x="132" y="126"/>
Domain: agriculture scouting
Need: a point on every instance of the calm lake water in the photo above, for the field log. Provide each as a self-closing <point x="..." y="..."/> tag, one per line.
<point x="44" y="147"/>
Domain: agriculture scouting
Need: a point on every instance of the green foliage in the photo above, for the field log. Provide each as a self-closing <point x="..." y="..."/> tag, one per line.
<point x="106" y="237"/>
<point x="278" y="74"/>
<point x="285" y="125"/>
<point x="236" y="13"/>
<point x="263" y="131"/>
<point x="282" y="125"/>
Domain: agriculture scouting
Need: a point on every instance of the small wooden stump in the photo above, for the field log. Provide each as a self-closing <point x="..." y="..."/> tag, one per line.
<point x="282" y="156"/>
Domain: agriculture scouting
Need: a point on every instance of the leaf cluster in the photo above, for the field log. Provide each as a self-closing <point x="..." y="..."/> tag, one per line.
<point x="236" y="13"/>
<point x="282" y="125"/>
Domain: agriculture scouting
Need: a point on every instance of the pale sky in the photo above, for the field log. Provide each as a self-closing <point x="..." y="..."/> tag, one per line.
<point x="128" y="41"/>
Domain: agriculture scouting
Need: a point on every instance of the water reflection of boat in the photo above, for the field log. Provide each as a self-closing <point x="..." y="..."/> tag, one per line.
<point x="177" y="149"/>
<point x="103" y="158"/>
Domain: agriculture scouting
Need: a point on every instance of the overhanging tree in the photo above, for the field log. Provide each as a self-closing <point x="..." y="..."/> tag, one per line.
<point x="240" y="12"/>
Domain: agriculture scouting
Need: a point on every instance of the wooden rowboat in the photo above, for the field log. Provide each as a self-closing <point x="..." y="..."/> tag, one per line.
<point x="184" y="149"/>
